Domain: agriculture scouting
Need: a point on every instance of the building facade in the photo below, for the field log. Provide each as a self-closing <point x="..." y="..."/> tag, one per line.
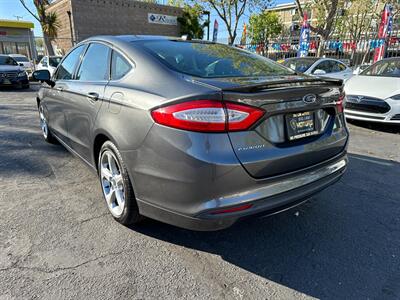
<point x="16" y="37"/>
<point x="80" y="19"/>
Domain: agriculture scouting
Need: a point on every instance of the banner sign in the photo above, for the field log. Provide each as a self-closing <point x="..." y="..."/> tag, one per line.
<point x="384" y="28"/>
<point x="162" y="19"/>
<point x="304" y="43"/>
<point x="215" y="32"/>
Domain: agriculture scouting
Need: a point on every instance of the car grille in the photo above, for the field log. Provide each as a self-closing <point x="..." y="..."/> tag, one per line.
<point x="8" y="75"/>
<point x="365" y="116"/>
<point x="367" y="104"/>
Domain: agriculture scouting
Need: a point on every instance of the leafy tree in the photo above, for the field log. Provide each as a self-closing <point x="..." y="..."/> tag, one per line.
<point x="190" y="22"/>
<point x="48" y="21"/>
<point x="325" y="11"/>
<point x="263" y="26"/>
<point x="230" y="11"/>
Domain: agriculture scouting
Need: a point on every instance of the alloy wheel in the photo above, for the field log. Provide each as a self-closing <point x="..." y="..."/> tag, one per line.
<point x="43" y="123"/>
<point x="112" y="183"/>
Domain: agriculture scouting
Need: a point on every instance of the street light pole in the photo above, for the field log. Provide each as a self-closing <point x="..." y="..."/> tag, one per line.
<point x="70" y="27"/>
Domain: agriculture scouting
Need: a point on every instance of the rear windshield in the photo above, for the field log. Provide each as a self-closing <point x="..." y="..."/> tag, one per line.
<point x="299" y="65"/>
<point x="54" y="61"/>
<point x="212" y="60"/>
<point x="384" y="68"/>
<point x="8" y="61"/>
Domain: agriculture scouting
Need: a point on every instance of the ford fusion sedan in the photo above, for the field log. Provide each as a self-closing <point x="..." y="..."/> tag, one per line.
<point x="374" y="95"/>
<point x="192" y="133"/>
<point x="324" y="67"/>
<point x="11" y="73"/>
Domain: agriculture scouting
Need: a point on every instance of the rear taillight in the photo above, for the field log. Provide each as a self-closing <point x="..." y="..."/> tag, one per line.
<point x="207" y="116"/>
<point x="340" y="103"/>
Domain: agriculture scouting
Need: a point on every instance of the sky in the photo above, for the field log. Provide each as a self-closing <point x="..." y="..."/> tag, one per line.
<point x="10" y="9"/>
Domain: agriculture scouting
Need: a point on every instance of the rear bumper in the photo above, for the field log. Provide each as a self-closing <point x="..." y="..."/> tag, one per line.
<point x="267" y="197"/>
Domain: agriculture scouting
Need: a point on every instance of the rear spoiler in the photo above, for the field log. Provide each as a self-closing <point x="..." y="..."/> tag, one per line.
<point x="284" y="83"/>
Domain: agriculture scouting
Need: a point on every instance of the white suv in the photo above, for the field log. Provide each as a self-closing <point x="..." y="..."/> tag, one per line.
<point x="49" y="63"/>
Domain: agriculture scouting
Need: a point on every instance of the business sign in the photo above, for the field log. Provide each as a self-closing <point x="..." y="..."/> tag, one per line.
<point x="215" y="32"/>
<point x="384" y="29"/>
<point x="162" y="19"/>
<point x="304" y="43"/>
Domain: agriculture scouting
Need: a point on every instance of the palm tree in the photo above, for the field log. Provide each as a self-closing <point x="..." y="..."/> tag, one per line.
<point x="49" y="22"/>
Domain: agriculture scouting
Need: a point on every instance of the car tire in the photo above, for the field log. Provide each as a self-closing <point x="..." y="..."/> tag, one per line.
<point x="116" y="186"/>
<point x="46" y="132"/>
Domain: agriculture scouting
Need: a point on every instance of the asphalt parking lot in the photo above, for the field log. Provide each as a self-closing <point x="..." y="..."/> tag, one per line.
<point x="57" y="240"/>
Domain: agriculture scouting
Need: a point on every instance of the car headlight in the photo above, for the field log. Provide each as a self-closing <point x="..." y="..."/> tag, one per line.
<point x="395" y="97"/>
<point x="22" y="74"/>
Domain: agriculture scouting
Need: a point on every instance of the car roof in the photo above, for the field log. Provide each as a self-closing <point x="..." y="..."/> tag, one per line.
<point x="16" y="55"/>
<point x="134" y="38"/>
<point x="305" y="58"/>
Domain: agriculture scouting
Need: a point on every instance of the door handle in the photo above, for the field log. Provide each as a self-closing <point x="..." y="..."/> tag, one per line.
<point x="93" y="96"/>
<point x="59" y="88"/>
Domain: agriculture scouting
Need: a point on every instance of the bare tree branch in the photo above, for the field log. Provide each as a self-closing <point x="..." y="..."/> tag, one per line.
<point x="27" y="8"/>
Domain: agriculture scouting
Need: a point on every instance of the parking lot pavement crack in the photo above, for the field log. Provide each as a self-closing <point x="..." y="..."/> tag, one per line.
<point x="93" y="218"/>
<point x="60" y="269"/>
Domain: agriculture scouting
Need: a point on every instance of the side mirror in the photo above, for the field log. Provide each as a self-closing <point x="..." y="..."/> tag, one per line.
<point x="44" y="64"/>
<point x="319" y="72"/>
<point x="43" y="76"/>
<point x="21" y="64"/>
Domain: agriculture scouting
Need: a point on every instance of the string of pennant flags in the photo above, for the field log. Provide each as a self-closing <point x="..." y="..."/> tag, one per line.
<point x="386" y="38"/>
<point x="329" y="45"/>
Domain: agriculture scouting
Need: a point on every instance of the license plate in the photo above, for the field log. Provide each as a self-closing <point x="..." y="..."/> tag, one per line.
<point x="300" y="125"/>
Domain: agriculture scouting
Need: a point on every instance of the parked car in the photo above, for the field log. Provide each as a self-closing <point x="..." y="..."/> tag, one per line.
<point x="11" y="73"/>
<point x="193" y="133"/>
<point x="374" y="95"/>
<point x="24" y="62"/>
<point x="49" y="63"/>
<point x="324" y="67"/>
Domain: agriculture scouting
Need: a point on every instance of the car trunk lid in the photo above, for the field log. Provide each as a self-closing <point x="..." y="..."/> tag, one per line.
<point x="302" y="125"/>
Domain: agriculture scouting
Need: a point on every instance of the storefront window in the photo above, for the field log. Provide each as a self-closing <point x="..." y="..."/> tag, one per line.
<point x="22" y="48"/>
<point x="10" y="47"/>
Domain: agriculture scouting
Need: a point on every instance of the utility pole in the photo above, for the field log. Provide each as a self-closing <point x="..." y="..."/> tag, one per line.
<point x="18" y="17"/>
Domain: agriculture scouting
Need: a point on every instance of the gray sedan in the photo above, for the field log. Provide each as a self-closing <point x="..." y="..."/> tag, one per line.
<point x="193" y="133"/>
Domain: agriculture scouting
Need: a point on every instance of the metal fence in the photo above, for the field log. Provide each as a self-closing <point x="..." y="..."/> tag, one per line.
<point x="352" y="52"/>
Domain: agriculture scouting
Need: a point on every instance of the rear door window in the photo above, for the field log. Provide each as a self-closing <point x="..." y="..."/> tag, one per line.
<point x="324" y="66"/>
<point x="94" y="66"/>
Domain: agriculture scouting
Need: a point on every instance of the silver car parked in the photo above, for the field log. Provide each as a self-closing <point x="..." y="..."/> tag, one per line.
<point x="324" y="67"/>
<point x="193" y="133"/>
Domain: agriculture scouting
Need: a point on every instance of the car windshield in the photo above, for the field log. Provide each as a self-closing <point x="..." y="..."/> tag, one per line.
<point x="54" y="61"/>
<point x="21" y="58"/>
<point x="7" y="61"/>
<point x="211" y="60"/>
<point x="299" y="65"/>
<point x="384" y="68"/>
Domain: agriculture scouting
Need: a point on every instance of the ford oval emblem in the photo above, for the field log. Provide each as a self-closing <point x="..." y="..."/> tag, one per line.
<point x="311" y="98"/>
